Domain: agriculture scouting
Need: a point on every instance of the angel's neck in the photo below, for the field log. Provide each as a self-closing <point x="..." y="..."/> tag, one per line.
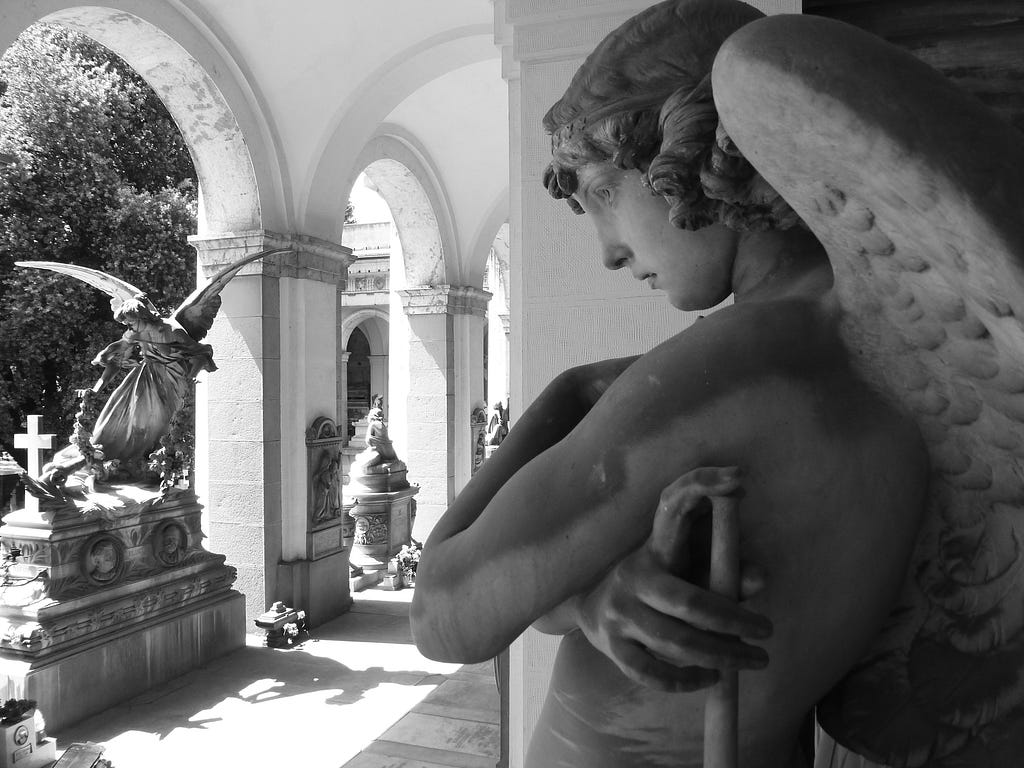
<point x="775" y="265"/>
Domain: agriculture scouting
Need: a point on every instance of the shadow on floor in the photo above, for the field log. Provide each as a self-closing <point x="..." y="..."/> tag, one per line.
<point x="336" y="693"/>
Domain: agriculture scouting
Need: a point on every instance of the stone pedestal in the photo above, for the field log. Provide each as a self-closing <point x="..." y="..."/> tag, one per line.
<point x="383" y="525"/>
<point x="107" y="595"/>
<point x="378" y="498"/>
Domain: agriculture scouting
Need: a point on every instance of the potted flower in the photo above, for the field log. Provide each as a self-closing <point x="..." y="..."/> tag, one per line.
<point x="15" y="710"/>
<point x="408" y="558"/>
<point x="17" y="730"/>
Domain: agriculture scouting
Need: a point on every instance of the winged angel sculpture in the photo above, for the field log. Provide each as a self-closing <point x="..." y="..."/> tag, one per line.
<point x="163" y="356"/>
<point x="917" y="193"/>
<point x="806" y="136"/>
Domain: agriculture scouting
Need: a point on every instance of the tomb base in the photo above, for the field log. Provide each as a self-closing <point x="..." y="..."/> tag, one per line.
<point x="110" y="670"/>
<point x="107" y="593"/>
<point x="383" y="525"/>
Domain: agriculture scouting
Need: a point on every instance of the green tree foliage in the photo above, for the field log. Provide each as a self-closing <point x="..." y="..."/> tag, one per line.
<point x="93" y="171"/>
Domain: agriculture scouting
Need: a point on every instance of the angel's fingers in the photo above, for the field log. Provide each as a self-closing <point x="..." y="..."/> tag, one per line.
<point x="704" y="481"/>
<point x="681" y="644"/>
<point x="691" y="604"/>
<point x="639" y="665"/>
<point x="677" y="508"/>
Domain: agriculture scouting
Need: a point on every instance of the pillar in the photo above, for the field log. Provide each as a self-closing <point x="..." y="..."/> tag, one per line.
<point x="275" y="333"/>
<point x="444" y="370"/>
<point x="342" y="387"/>
<point x="379" y="379"/>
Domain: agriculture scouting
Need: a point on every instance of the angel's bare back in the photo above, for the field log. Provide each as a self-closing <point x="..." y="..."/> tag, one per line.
<point x="826" y="465"/>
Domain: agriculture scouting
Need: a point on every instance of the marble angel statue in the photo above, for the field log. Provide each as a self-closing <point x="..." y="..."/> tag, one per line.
<point x="162" y="355"/>
<point x="862" y="401"/>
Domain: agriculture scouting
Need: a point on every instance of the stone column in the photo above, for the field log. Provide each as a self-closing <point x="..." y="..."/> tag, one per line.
<point x="566" y="308"/>
<point x="379" y="379"/>
<point x="343" y="390"/>
<point x="445" y="371"/>
<point x="268" y="339"/>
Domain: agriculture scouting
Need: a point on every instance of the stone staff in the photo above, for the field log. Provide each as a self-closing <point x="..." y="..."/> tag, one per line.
<point x="721" y="711"/>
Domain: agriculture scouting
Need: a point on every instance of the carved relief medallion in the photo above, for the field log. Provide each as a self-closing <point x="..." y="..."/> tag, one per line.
<point x="371" y="529"/>
<point x="103" y="560"/>
<point x="170" y="542"/>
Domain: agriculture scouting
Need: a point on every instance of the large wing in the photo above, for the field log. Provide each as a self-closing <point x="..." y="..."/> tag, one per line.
<point x="915" y="189"/>
<point x="197" y="312"/>
<point x="118" y="290"/>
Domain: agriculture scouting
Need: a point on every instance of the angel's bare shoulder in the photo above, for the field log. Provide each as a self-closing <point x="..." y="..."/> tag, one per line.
<point x="748" y="382"/>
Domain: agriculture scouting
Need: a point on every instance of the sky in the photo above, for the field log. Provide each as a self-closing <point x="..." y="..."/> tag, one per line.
<point x="370" y="207"/>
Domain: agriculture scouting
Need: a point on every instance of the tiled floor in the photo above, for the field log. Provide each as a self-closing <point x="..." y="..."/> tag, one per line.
<point x="357" y="695"/>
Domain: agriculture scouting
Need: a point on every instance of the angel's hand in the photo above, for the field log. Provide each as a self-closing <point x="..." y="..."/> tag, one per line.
<point x="658" y="627"/>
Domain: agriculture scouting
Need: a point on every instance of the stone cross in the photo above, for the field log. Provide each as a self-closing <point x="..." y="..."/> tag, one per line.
<point x="36" y="443"/>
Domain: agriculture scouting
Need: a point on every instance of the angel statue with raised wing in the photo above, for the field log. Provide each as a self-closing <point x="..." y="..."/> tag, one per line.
<point x="859" y="408"/>
<point x="162" y="356"/>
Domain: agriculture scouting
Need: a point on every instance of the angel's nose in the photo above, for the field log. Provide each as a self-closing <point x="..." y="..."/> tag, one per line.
<point x="615" y="256"/>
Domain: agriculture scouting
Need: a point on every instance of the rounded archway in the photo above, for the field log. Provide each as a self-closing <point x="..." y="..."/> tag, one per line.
<point x="176" y="60"/>
<point x="364" y="336"/>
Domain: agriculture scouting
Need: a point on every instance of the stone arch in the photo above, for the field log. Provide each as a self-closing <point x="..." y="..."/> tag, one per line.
<point x="489" y="229"/>
<point x="373" y="322"/>
<point x="406" y="180"/>
<point x="500" y="248"/>
<point x="334" y="165"/>
<point x="152" y="39"/>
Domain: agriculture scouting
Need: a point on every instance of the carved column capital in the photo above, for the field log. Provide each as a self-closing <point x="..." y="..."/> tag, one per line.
<point x="445" y="300"/>
<point x="310" y="258"/>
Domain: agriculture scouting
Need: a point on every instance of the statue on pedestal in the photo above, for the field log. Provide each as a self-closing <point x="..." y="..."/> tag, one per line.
<point x="378" y="496"/>
<point x="379" y="449"/>
<point x="860" y="406"/>
<point x="162" y="356"/>
<point x="497" y="424"/>
<point x="103" y="563"/>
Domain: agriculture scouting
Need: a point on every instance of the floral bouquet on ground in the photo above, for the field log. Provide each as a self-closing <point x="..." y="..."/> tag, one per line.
<point x="408" y="558"/>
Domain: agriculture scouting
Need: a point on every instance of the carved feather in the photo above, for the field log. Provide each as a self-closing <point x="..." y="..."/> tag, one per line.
<point x="197" y="312"/>
<point x="119" y="290"/>
<point x="915" y="189"/>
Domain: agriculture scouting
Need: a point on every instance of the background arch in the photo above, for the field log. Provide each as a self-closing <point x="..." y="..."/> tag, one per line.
<point x="336" y="165"/>
<point x="373" y="322"/>
<point x="405" y="178"/>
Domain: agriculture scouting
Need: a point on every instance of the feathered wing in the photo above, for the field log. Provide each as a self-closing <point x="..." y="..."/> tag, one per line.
<point x="118" y="289"/>
<point x="197" y="312"/>
<point x="915" y="189"/>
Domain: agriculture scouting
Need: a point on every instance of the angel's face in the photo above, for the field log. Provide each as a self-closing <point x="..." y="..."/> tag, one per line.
<point x="694" y="269"/>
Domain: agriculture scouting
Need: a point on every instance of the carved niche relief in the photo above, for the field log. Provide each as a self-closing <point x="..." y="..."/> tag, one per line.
<point x="323" y="461"/>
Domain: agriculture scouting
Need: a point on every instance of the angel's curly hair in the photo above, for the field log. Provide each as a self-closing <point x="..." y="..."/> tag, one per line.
<point x="642" y="100"/>
<point x="135" y="308"/>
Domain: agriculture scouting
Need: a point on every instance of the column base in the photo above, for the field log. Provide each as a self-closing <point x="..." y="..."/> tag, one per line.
<point x="319" y="587"/>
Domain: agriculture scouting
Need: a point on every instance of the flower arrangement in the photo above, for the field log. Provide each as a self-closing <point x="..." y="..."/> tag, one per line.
<point x="408" y="557"/>
<point x="15" y="710"/>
